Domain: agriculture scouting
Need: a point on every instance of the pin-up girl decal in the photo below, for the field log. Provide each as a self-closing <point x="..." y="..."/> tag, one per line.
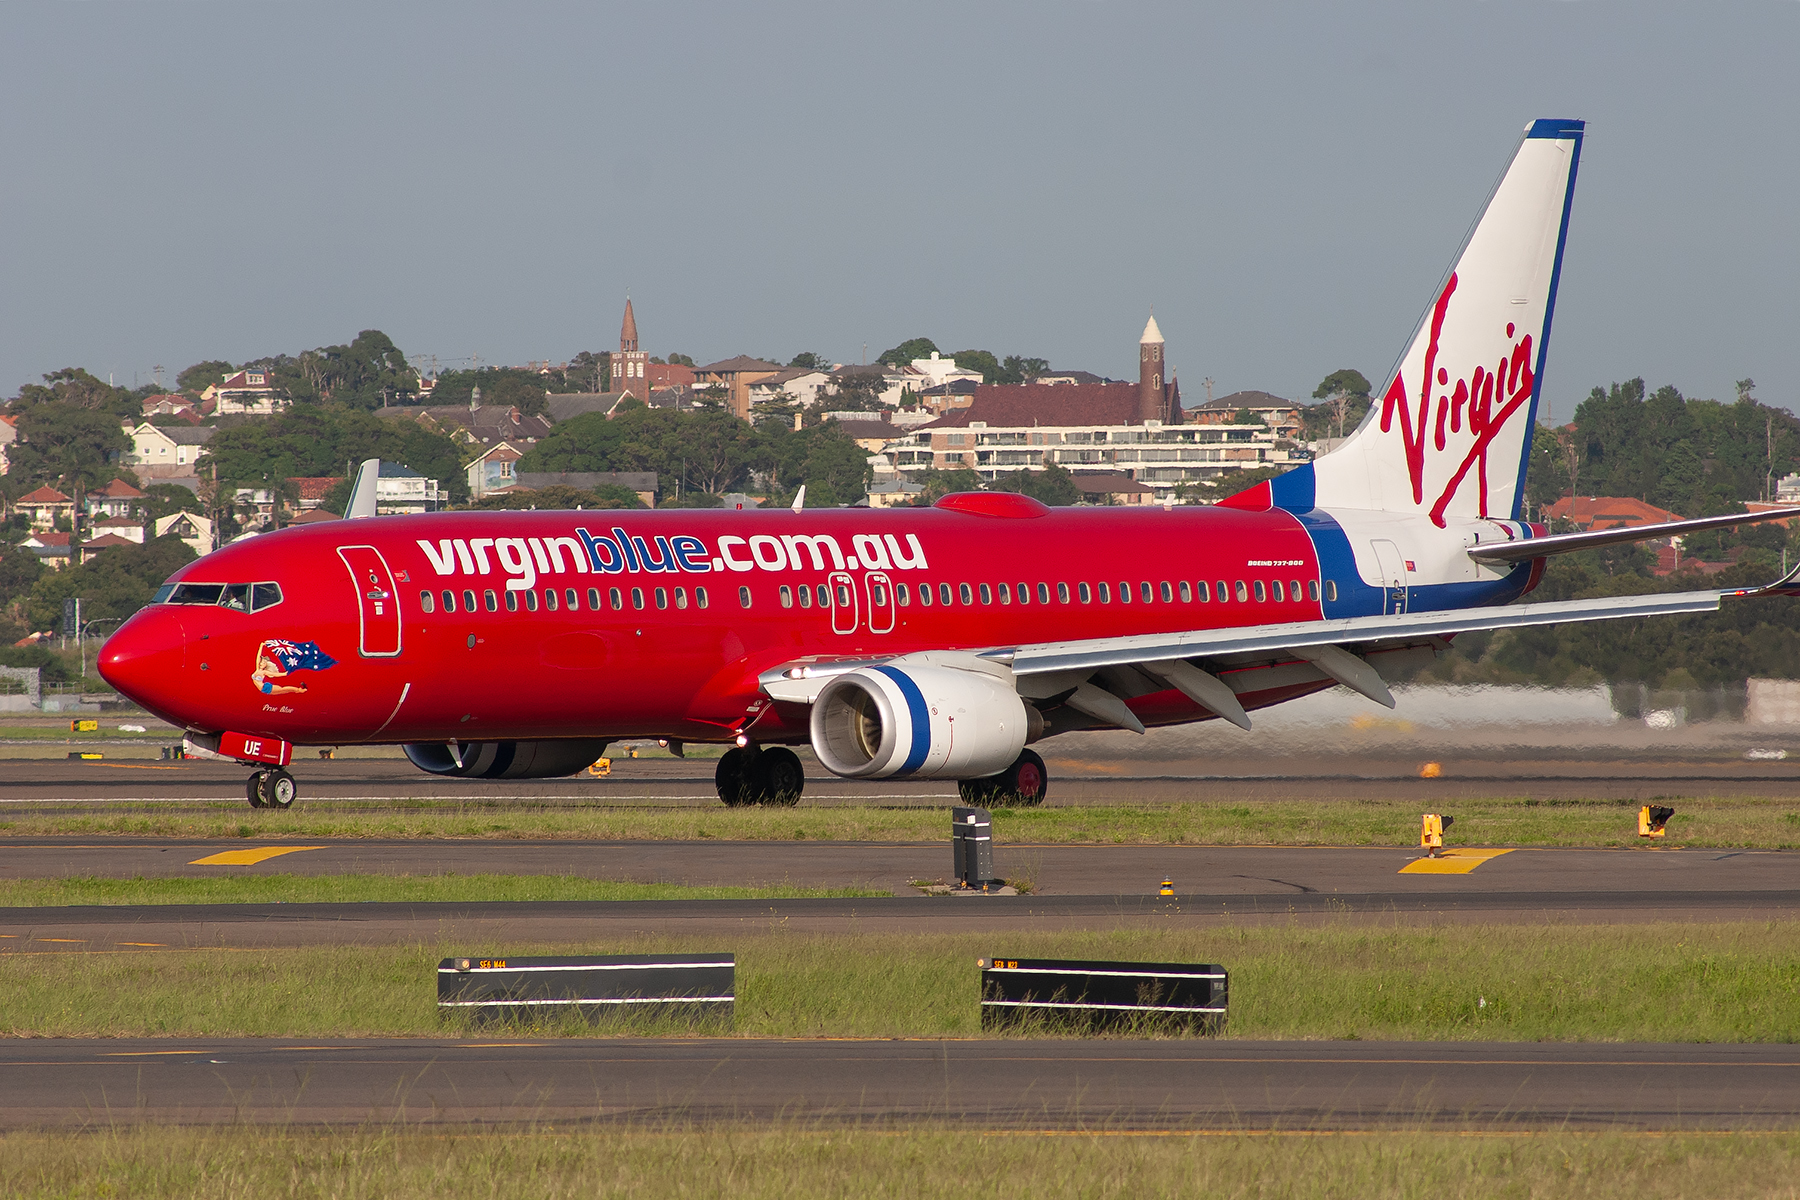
<point x="277" y="659"/>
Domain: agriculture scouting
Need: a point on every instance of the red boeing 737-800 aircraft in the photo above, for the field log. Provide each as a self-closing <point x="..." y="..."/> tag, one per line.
<point x="933" y="643"/>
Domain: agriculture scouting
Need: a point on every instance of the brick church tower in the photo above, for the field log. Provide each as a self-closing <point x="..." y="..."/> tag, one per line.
<point x="1152" y="402"/>
<point x="628" y="363"/>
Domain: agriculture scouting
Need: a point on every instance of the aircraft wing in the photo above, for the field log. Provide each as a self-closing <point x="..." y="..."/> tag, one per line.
<point x="1187" y="660"/>
<point x="1568" y="543"/>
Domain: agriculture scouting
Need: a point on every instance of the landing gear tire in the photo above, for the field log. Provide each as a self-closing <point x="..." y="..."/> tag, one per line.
<point x="253" y="787"/>
<point x="278" y="789"/>
<point x="1022" y="785"/>
<point x="781" y="777"/>
<point x="728" y="777"/>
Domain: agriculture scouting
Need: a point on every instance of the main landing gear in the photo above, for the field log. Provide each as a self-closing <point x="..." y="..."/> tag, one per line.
<point x="755" y="775"/>
<point x="1024" y="785"/>
<point x="271" y="789"/>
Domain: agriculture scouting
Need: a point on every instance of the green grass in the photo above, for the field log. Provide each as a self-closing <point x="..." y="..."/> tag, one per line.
<point x="786" y="1161"/>
<point x="1731" y="822"/>
<point x="1725" y="982"/>
<point x="353" y="889"/>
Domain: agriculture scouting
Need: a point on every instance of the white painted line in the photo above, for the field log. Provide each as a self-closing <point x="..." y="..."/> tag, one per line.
<point x="711" y="798"/>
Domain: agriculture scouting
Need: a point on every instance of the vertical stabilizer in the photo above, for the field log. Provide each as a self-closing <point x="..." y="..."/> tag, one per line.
<point x="362" y="492"/>
<point x="1450" y="433"/>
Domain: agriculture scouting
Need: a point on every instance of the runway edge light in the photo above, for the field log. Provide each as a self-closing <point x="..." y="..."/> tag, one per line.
<point x="1652" y="820"/>
<point x="1431" y="832"/>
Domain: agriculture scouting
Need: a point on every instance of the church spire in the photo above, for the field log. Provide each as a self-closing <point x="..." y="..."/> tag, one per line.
<point x="628" y="338"/>
<point x="1153" y="402"/>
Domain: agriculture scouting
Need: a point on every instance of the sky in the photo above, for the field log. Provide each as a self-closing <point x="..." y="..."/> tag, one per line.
<point x="1282" y="183"/>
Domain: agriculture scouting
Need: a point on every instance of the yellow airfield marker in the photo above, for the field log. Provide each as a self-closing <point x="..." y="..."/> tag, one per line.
<point x="1452" y="862"/>
<point x="248" y="858"/>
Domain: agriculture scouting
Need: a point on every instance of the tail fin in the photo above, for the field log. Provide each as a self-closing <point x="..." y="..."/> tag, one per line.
<point x="1451" y="434"/>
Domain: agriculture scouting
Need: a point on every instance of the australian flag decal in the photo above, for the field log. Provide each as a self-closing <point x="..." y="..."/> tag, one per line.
<point x="299" y="656"/>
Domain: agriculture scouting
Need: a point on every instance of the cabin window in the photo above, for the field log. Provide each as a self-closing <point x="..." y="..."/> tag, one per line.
<point x="468" y="601"/>
<point x="878" y="593"/>
<point x="900" y="594"/>
<point x="1223" y="591"/>
<point x="530" y="601"/>
<point x="680" y="597"/>
<point x="1312" y="589"/>
<point x="427" y="602"/>
<point x="1124" y="593"/>
<point x="593" y="599"/>
<point x="1147" y="593"/>
<point x="549" y="599"/>
<point x="1087" y="593"/>
<point x="637" y="598"/>
<point x="987" y="597"/>
<point x="1261" y="593"/>
<point x="490" y="600"/>
<point x="1105" y="593"/>
<point x="1168" y="592"/>
<point x="1331" y="590"/>
<point x="1243" y="593"/>
<point x="616" y="598"/>
<point x="512" y="601"/>
<point x="1202" y="591"/>
<point x="743" y="596"/>
<point x="1043" y="593"/>
<point x="806" y="595"/>
<point x="236" y="595"/>
<point x="1276" y="588"/>
<point x="944" y="593"/>
<point x="571" y="599"/>
<point x="264" y="595"/>
<point x="1005" y="590"/>
<point x="787" y="595"/>
<point x="843" y="596"/>
<point x="1294" y="589"/>
<point x="924" y="594"/>
<point x="700" y="597"/>
<point x="967" y="596"/>
<point x="1062" y="593"/>
<point x="662" y="597"/>
<point x="449" y="602"/>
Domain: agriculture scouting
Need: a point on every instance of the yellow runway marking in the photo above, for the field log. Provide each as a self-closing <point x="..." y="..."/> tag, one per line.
<point x="248" y="858"/>
<point x="140" y="943"/>
<point x="76" y="940"/>
<point x="1454" y="862"/>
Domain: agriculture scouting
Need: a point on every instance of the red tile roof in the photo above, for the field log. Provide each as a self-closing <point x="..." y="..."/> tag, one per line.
<point x="106" y="541"/>
<point x="118" y="489"/>
<point x="1608" y="512"/>
<point x="314" y="487"/>
<point x="50" y="539"/>
<point x="43" y="495"/>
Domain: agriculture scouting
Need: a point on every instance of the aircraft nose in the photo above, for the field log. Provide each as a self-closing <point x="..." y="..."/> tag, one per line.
<point x="144" y="659"/>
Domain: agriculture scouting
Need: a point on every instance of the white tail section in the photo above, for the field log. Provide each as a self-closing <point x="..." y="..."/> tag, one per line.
<point x="1451" y="431"/>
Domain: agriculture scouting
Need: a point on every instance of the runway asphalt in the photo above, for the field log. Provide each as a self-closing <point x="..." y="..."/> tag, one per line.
<point x="48" y="784"/>
<point x="1038" y="1084"/>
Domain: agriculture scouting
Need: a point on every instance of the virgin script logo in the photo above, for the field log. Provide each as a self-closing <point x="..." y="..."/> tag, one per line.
<point x="1473" y="399"/>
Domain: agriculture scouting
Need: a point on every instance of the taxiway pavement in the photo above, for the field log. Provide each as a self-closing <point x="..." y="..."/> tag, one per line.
<point x="1058" y="1084"/>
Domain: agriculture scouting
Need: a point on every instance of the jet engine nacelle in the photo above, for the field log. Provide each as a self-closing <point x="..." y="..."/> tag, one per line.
<point x="927" y="721"/>
<point x="505" y="760"/>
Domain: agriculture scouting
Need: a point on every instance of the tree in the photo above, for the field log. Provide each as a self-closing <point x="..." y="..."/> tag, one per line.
<point x="327" y="440"/>
<point x="979" y="360"/>
<point x="908" y="350"/>
<point x="76" y="388"/>
<point x="559" y="496"/>
<point x="508" y="387"/>
<point x="65" y="445"/>
<point x="19" y="570"/>
<point x="1021" y="370"/>
<point x="1346" y="396"/>
<point x="166" y="499"/>
<point x="806" y="360"/>
<point x="1052" y="485"/>
<point x="203" y="375"/>
<point x="682" y="359"/>
<point x="827" y="460"/>
<point x="114" y="583"/>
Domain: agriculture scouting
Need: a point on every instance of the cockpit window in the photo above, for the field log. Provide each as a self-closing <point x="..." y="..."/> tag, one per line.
<point x="244" y="597"/>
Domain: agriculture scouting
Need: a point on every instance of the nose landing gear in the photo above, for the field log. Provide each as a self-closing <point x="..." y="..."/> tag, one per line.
<point x="272" y="789"/>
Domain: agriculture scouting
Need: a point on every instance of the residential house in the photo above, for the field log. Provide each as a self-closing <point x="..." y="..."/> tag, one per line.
<point x="1107" y="487"/>
<point x="643" y="483"/>
<point x="736" y="375"/>
<point x="475" y="423"/>
<point x="891" y="490"/>
<point x="255" y="507"/>
<point x="88" y="550"/>
<point x="802" y="385"/>
<point x="1283" y="416"/>
<point x="47" y="508"/>
<point x="400" y="489"/>
<point x="1070" y="377"/>
<point x="131" y="529"/>
<point x="938" y="371"/>
<point x="9" y="433"/>
<point x="247" y="392"/>
<point x="310" y="490"/>
<point x="51" y="547"/>
<point x="493" y="471"/>
<point x="313" y="516"/>
<point x="958" y="393"/>
<point x="171" y="406"/>
<point x="116" y="499"/>
<point x="165" y="453"/>
<point x="197" y="532"/>
<point x="1606" y="512"/>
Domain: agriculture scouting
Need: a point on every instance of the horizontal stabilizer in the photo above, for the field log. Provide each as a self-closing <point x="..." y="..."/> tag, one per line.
<point x="1568" y="543"/>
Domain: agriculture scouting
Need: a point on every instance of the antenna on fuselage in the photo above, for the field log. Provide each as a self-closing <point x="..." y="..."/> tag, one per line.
<point x="800" y="498"/>
<point x="362" y="496"/>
